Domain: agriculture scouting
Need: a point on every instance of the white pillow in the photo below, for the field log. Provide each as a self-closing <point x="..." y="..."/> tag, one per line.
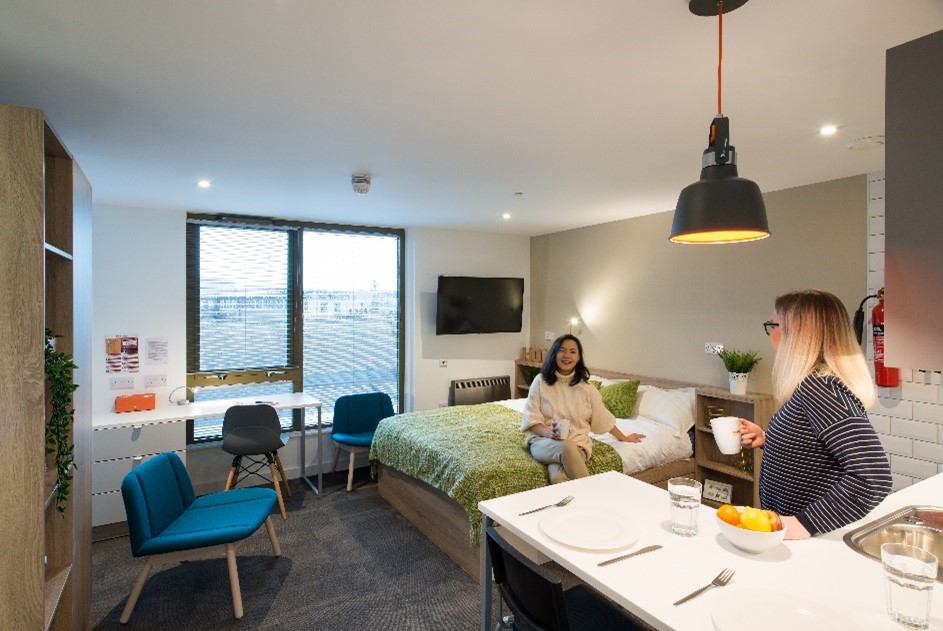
<point x="672" y="408"/>
<point x="606" y="381"/>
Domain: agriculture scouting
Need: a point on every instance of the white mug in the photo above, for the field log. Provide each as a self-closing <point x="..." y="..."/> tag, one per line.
<point x="727" y="434"/>
<point x="563" y="427"/>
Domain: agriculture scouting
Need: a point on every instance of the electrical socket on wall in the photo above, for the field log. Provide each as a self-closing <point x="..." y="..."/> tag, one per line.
<point x="549" y="336"/>
<point x="443" y="363"/>
<point x="155" y="381"/>
<point x="122" y="383"/>
<point x="712" y="348"/>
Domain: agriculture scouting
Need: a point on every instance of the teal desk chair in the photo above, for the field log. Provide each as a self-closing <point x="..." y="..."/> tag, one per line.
<point x="167" y="523"/>
<point x="356" y="417"/>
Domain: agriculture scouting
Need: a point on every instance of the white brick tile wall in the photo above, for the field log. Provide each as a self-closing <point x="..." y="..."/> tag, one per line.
<point x="914" y="429"/>
<point x="900" y="481"/>
<point x="897" y="445"/>
<point x="928" y="412"/>
<point x="881" y="423"/>
<point x="894" y="407"/>
<point x="928" y="451"/>
<point x="919" y="392"/>
<point x="908" y="418"/>
<point x="920" y="469"/>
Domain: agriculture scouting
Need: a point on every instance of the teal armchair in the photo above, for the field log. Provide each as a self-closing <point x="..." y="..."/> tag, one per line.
<point x="167" y="523"/>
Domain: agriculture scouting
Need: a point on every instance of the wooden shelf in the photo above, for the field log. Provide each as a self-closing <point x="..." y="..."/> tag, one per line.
<point x="52" y="593"/>
<point x="51" y="249"/>
<point x="726" y="469"/>
<point x="710" y="463"/>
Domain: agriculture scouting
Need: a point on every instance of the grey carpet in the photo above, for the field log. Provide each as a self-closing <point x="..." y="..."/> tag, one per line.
<point x="349" y="562"/>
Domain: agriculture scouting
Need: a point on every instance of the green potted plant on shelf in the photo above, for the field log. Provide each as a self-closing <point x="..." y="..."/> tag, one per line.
<point x="739" y="364"/>
<point x="58" y="368"/>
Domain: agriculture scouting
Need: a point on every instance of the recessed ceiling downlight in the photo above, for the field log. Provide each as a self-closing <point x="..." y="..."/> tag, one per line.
<point x="204" y="184"/>
<point x="867" y="142"/>
<point x="828" y="130"/>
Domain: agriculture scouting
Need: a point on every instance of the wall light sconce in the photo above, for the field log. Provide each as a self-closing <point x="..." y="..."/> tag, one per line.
<point x="574" y="322"/>
<point x="190" y="392"/>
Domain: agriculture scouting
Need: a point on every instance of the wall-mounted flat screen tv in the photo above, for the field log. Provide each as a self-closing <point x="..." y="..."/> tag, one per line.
<point x="470" y="304"/>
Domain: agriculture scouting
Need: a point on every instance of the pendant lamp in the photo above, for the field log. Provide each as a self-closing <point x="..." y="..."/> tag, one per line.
<point x="721" y="207"/>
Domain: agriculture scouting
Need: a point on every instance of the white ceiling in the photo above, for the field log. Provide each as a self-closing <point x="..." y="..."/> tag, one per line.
<point x="596" y="111"/>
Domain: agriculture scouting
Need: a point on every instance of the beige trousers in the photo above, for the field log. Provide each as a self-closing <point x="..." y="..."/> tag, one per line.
<point x="565" y="460"/>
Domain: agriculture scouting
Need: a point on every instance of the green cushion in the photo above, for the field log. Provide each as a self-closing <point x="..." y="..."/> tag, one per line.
<point x="619" y="398"/>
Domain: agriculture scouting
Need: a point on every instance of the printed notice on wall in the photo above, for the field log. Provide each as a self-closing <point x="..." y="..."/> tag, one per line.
<point x="121" y="354"/>
<point x="155" y="351"/>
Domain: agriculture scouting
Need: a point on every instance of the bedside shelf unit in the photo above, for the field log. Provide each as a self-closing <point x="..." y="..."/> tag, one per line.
<point x="741" y="471"/>
<point x="524" y="373"/>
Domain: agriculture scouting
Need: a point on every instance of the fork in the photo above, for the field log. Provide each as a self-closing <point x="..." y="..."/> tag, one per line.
<point x="719" y="581"/>
<point x="566" y="500"/>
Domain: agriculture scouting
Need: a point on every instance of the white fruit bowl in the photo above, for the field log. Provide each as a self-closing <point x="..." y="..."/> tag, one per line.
<point x="751" y="541"/>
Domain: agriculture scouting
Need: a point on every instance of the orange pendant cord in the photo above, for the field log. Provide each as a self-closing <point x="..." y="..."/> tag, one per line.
<point x="720" y="51"/>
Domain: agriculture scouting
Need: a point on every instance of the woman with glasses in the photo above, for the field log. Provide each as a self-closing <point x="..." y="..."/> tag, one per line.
<point x="823" y="465"/>
<point x="559" y="396"/>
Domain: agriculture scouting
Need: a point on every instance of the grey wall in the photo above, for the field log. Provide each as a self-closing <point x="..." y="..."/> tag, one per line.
<point x="648" y="306"/>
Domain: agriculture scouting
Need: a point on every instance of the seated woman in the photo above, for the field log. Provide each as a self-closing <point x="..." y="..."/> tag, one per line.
<point x="823" y="464"/>
<point x="562" y="392"/>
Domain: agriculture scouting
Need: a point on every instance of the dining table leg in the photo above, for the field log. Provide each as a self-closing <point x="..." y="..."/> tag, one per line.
<point x="485" y="576"/>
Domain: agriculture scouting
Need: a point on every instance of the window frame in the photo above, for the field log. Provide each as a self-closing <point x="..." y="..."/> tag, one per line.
<point x="293" y="371"/>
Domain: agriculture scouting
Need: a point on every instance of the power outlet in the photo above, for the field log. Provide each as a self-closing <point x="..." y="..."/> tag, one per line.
<point x="122" y="383"/>
<point x="712" y="348"/>
<point x="549" y="336"/>
<point x="155" y="381"/>
<point x="443" y="363"/>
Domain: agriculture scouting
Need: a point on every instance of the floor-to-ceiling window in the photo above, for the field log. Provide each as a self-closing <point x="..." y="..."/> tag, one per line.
<point x="277" y="306"/>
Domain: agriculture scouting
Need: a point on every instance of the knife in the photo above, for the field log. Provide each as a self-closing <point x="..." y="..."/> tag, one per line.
<point x="630" y="554"/>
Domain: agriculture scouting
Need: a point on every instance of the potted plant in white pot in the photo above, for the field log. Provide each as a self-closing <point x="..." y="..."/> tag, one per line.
<point x="739" y="364"/>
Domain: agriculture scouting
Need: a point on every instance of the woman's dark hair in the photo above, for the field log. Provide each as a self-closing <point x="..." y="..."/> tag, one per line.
<point x="549" y="369"/>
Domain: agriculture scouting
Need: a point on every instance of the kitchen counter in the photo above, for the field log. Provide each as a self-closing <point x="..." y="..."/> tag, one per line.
<point x="821" y="572"/>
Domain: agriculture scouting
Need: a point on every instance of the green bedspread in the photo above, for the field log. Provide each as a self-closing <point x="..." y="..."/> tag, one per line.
<point x="470" y="452"/>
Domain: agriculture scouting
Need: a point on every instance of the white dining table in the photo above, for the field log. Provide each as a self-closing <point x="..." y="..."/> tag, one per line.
<point x="822" y="574"/>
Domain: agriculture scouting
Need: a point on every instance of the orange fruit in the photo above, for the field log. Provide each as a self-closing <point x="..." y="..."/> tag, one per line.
<point x="729" y="514"/>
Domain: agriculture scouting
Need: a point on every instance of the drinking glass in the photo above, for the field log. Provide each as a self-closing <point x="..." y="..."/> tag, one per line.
<point x="685" y="497"/>
<point x="909" y="574"/>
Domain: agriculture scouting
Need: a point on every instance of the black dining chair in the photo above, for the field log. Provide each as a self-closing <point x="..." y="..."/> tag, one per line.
<point x="253" y="433"/>
<point x="538" y="602"/>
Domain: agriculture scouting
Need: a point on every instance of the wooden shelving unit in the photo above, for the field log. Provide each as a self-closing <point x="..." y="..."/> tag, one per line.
<point x="742" y="470"/>
<point x="524" y="373"/>
<point x="45" y="248"/>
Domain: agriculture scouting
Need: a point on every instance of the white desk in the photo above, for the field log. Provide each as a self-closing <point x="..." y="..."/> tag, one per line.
<point x="822" y="569"/>
<point x="119" y="441"/>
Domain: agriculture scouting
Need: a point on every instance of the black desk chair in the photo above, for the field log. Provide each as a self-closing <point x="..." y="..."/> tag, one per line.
<point x="253" y="432"/>
<point x="537" y="600"/>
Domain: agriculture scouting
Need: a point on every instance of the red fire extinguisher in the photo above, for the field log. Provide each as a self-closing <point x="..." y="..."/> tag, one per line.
<point x="883" y="375"/>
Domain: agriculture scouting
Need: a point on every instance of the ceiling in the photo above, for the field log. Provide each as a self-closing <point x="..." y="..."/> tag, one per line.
<point x="593" y="111"/>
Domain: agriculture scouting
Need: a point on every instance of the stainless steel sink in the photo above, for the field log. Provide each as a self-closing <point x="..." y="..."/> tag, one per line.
<point x="920" y="526"/>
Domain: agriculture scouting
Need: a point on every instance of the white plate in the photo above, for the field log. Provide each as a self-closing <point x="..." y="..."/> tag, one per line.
<point x="750" y="609"/>
<point x="592" y="529"/>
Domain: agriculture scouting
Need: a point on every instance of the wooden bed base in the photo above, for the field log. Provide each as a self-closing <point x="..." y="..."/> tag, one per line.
<point x="445" y="522"/>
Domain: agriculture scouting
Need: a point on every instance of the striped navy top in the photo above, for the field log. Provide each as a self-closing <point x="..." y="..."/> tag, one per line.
<point x="822" y="460"/>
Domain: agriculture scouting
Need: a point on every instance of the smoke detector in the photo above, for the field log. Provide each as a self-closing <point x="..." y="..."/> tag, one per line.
<point x="361" y="183"/>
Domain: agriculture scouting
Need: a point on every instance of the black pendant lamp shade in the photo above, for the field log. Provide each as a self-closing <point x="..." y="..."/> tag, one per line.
<point x="721" y="207"/>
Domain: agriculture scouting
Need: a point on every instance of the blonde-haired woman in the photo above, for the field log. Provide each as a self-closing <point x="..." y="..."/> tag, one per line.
<point x="823" y="465"/>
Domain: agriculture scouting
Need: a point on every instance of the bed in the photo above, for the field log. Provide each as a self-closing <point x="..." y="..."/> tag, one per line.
<point x="434" y="466"/>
